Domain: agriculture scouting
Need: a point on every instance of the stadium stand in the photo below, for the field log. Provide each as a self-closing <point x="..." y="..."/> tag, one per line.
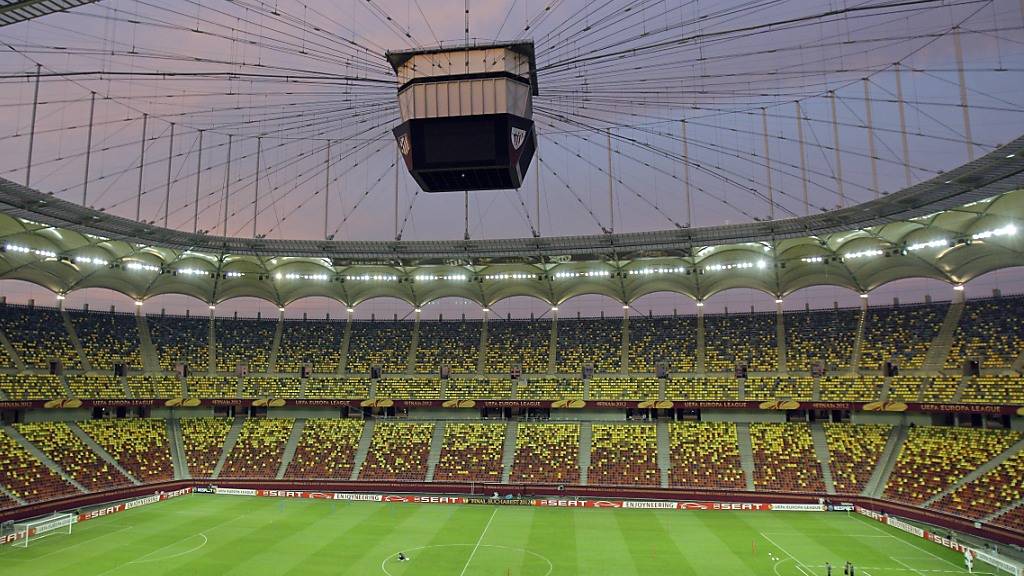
<point x="181" y="339"/>
<point x="625" y="388"/>
<point x="905" y="388"/>
<point x="854" y="451"/>
<point x="940" y="388"/>
<point x="475" y="388"/>
<point x="313" y="342"/>
<point x="547" y="454"/>
<point x="108" y="338"/>
<point x="592" y="340"/>
<point x="524" y="342"/>
<point x="38" y="336"/>
<point x="379" y="343"/>
<point x="993" y="491"/>
<point x="94" y="386"/>
<point x="416" y="387"/>
<point x="1013" y="519"/>
<point x="712" y="388"/>
<point x="5" y="359"/>
<point x="60" y="444"/>
<point x="470" y="452"/>
<point x="28" y="478"/>
<point x="551" y="388"/>
<point x="244" y="341"/>
<point x="624" y="455"/>
<point x="989" y="330"/>
<point x="994" y="389"/>
<point x="705" y="456"/>
<point x="779" y="387"/>
<point x="156" y="386"/>
<point x="934" y="457"/>
<point x="903" y="333"/>
<point x="258" y="451"/>
<point x="271" y="387"/>
<point x="139" y="445"/>
<point x="737" y="338"/>
<point x="671" y="339"/>
<point x="31" y="386"/>
<point x="326" y="449"/>
<point x="202" y="442"/>
<point x="820" y="335"/>
<point x="212" y="387"/>
<point x="784" y="458"/>
<point x="398" y="451"/>
<point x="865" y="388"/>
<point x="452" y="342"/>
<point x="337" y="388"/>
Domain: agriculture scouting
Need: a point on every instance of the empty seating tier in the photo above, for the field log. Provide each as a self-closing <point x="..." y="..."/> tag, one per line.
<point x="851" y="388"/>
<point x="270" y="387"/>
<point x="313" y="343"/>
<point x="337" y="388"/>
<point x="212" y="387"/>
<point x="626" y="388"/>
<point x="740" y="339"/>
<point x="94" y="386"/>
<point x="994" y="389"/>
<point x="244" y="342"/>
<point x="990" y="331"/>
<point x="398" y="451"/>
<point x="994" y="490"/>
<point x="854" y="451"/>
<point x="780" y="387"/>
<point x="139" y="445"/>
<point x="589" y="341"/>
<point x="522" y="342"/>
<point x="326" y="449"/>
<point x="108" y="339"/>
<point x="705" y="456"/>
<point x="31" y="386"/>
<point x="547" y="454"/>
<point x="820" y="336"/>
<point x="1013" y="519"/>
<point x="448" y="342"/>
<point x="61" y="445"/>
<point x="157" y="386"/>
<point x="551" y="388"/>
<point x="377" y="343"/>
<point x="934" y="457"/>
<point x="784" y="458"/>
<point x="470" y="452"/>
<point x="669" y="339"/>
<point x="38" y="336"/>
<point x="203" y="442"/>
<point x="624" y="455"/>
<point x="180" y="339"/>
<point x="419" y="388"/>
<point x="906" y="388"/>
<point x="941" y="388"/>
<point x="900" y="333"/>
<point x="474" y="388"/>
<point x="26" y="477"/>
<point x="712" y="388"/>
<point x="258" y="451"/>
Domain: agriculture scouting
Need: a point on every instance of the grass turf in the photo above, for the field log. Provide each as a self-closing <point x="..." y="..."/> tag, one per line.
<point x="205" y="534"/>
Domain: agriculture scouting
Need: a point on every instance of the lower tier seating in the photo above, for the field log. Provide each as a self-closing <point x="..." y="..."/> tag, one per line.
<point x="23" y="475"/>
<point x="784" y="458"/>
<point x="1013" y="519"/>
<point x="994" y="490"/>
<point x="420" y="388"/>
<point x="547" y="454"/>
<point x="866" y="388"/>
<point x="777" y="388"/>
<point x="155" y="386"/>
<point x="624" y="455"/>
<point x="630" y="388"/>
<point x="212" y="387"/>
<point x="470" y="452"/>
<point x="61" y="445"/>
<point x="705" y="456"/>
<point x="139" y="445"/>
<point x="994" y="389"/>
<point x="31" y="386"/>
<point x="550" y="388"/>
<point x="269" y="387"/>
<point x="854" y="451"/>
<point x="398" y="451"/>
<point x="713" y="388"/>
<point x="337" y="388"/>
<point x="203" y="442"/>
<point x="258" y="451"/>
<point x="478" y="388"/>
<point x="94" y="386"/>
<point x="326" y="449"/>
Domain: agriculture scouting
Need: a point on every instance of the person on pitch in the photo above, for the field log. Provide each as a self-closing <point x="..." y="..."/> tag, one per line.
<point x="828" y="569"/>
<point x="968" y="560"/>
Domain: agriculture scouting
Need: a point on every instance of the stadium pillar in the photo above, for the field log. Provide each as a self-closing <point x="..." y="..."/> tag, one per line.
<point x="227" y="186"/>
<point x="142" y="164"/>
<point x="963" y="93"/>
<point x="686" y="176"/>
<point x="803" y="158"/>
<point x="88" y="148"/>
<point x="199" y="173"/>
<point x="167" y="191"/>
<point x="767" y="164"/>
<point x="871" y="139"/>
<point x="327" y="189"/>
<point x="256" y="191"/>
<point x="611" y="186"/>
<point x="903" y="124"/>
<point x="32" y="129"/>
<point x="536" y="180"/>
<point x="839" y="157"/>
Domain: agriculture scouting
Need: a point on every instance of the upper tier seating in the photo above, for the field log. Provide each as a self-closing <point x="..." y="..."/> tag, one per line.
<point x="625" y="388"/>
<point x="379" y="343"/>
<point x="820" y="335"/>
<point x="524" y="342"/>
<point x="991" y="331"/>
<point x="108" y="339"/>
<point x="5" y="359"/>
<point x="38" y="336"/>
<point x="31" y="386"/>
<point x="212" y="387"/>
<point x="258" y="451"/>
<point x="551" y="388"/>
<point x="417" y="387"/>
<point x="934" y="457"/>
<point x="326" y="449"/>
<point x="61" y="445"/>
<point x="624" y="455"/>
<point x="337" y="388"/>
<point x="780" y="387"/>
<point x="398" y="451"/>
<point x="470" y="452"/>
<point x="94" y="386"/>
<point x="452" y="342"/>
<point x="270" y="387"/>
<point x="203" y="442"/>
<point x="705" y="456"/>
<point x="740" y="338"/>
<point x="994" y="490"/>
<point x="26" y="477"/>
<point x="546" y="454"/>
<point x="247" y="341"/>
<point x="784" y="458"/>
<point x="712" y="388"/>
<point x="156" y="386"/>
<point x="994" y="389"/>
<point x="313" y="342"/>
<point x="139" y="445"/>
<point x="903" y="333"/>
<point x="671" y="339"/>
<point x="181" y="339"/>
<point x="597" y="341"/>
<point x="864" y="388"/>
<point x="854" y="451"/>
<point x="478" y="388"/>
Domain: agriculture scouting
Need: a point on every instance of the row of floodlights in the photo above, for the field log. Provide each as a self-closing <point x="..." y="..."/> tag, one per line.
<point x="1003" y="231"/>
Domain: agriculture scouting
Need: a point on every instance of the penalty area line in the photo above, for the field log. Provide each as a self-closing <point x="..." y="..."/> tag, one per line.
<point x="478" y="541"/>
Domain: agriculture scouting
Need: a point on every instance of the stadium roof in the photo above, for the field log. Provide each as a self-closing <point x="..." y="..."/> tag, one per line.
<point x="12" y="11"/>
<point x="953" y="228"/>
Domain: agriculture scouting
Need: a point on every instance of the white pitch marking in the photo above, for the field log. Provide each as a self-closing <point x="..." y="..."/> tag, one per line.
<point x="478" y="541"/>
<point x="911" y="544"/>
<point x="799" y="565"/>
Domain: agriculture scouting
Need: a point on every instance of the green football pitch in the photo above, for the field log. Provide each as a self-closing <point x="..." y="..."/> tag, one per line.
<point x="250" y="536"/>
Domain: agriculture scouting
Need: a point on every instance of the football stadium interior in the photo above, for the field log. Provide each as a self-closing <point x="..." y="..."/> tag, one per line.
<point x="532" y="288"/>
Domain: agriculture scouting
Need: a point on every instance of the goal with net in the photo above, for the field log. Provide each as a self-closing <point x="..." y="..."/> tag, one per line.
<point x="42" y="527"/>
